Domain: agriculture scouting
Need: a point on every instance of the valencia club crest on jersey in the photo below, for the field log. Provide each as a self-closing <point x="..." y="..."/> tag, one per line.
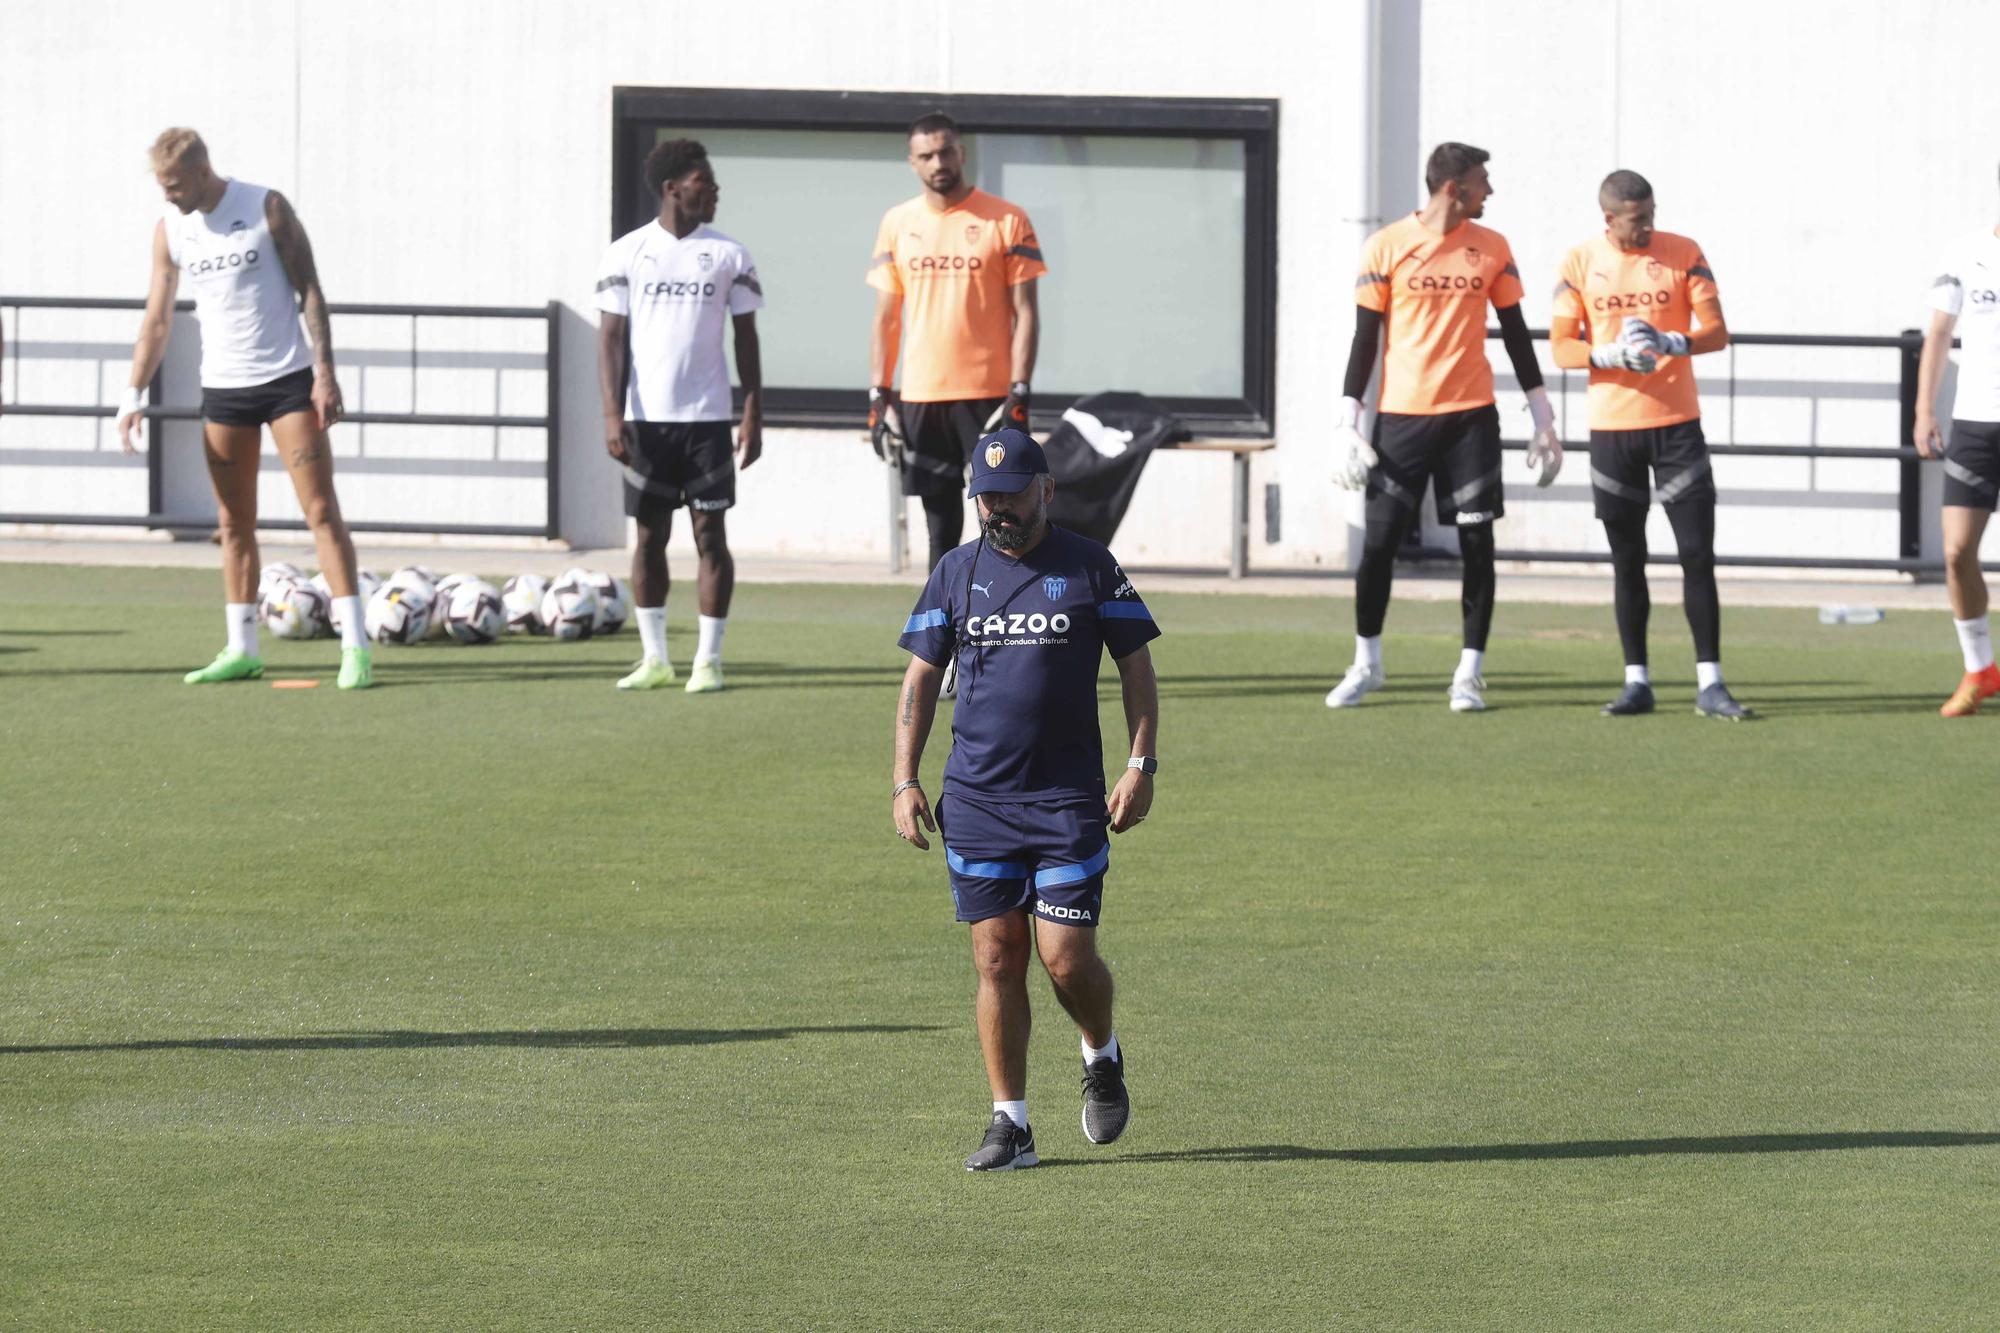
<point x="1052" y="587"/>
<point x="1652" y="270"/>
<point x="1471" y="257"/>
<point x="996" y="454"/>
<point x="706" y="260"/>
<point x="972" y="233"/>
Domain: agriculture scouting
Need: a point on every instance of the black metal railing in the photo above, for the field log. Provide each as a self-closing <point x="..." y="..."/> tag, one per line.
<point x="155" y="518"/>
<point x="1908" y="347"/>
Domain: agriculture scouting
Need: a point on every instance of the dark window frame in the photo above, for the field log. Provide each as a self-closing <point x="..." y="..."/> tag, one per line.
<point x="638" y="113"/>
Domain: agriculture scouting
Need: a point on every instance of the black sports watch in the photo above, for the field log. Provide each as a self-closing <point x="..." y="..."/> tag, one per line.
<point x="1145" y="764"/>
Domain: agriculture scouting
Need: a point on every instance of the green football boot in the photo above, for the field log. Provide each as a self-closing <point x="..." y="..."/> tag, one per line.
<point x="650" y="674"/>
<point x="357" y="668"/>
<point x="229" y="664"/>
<point x="705" y="677"/>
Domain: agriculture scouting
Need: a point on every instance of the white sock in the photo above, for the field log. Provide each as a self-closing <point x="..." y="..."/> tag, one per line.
<point x="1975" y="640"/>
<point x="353" y="621"/>
<point x="1635" y="674"/>
<point x="1368" y="652"/>
<point x="241" y="619"/>
<point x="1108" y="1051"/>
<point x="708" y="646"/>
<point x="1707" y="674"/>
<point x="1470" y="660"/>
<point x="1016" y="1111"/>
<point x="653" y="631"/>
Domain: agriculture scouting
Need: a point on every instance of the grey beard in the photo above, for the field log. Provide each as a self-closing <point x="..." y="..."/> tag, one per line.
<point x="1012" y="538"/>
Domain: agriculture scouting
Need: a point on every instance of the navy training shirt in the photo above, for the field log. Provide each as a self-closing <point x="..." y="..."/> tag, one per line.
<point x="1034" y="630"/>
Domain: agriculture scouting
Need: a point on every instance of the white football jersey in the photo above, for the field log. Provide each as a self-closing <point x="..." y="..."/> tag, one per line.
<point x="1969" y="286"/>
<point x="249" y="312"/>
<point x="677" y="293"/>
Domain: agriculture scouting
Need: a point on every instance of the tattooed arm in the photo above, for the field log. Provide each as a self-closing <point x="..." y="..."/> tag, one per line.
<point x="915" y="709"/>
<point x="295" y="253"/>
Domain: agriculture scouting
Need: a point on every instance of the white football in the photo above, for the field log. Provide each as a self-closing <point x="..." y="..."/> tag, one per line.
<point x="295" y="610"/>
<point x="521" y="598"/>
<point x="399" y="614"/>
<point x="614" y="603"/>
<point x="441" y="599"/>
<point x="472" y="612"/>
<point x="569" y="608"/>
<point x="284" y="571"/>
<point x="410" y="576"/>
<point x="365" y="584"/>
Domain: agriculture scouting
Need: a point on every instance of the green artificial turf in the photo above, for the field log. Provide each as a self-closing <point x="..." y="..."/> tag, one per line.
<point x="494" y="997"/>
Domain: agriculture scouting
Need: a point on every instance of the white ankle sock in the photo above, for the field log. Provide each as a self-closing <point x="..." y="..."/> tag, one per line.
<point x="1975" y="640"/>
<point x="1016" y="1111"/>
<point x="708" y="647"/>
<point x="1368" y="652"/>
<point x="1470" y="660"/>
<point x="653" y="631"/>
<point x="353" y="621"/>
<point x="241" y="618"/>
<point x="1707" y="674"/>
<point x="1635" y="674"/>
<point x="1108" y="1051"/>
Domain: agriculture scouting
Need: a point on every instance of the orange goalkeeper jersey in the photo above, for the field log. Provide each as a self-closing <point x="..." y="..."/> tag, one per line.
<point x="1601" y="285"/>
<point x="954" y="270"/>
<point x="1433" y="292"/>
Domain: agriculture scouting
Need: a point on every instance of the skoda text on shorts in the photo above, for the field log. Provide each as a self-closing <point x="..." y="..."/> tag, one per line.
<point x="1965" y="299"/>
<point x="245" y="253"/>
<point x="1425" y="283"/>
<point x="1626" y="305"/>
<point x="1028" y="610"/>
<point x="664" y="292"/>
<point x="954" y="271"/>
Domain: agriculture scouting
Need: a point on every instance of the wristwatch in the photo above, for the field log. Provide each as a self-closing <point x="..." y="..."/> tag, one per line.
<point x="1145" y="764"/>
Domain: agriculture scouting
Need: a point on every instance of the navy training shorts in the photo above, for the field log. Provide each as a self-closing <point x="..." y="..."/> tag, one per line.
<point x="1046" y="856"/>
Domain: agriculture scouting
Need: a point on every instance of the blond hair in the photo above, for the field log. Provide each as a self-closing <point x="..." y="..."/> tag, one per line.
<point x="176" y="147"/>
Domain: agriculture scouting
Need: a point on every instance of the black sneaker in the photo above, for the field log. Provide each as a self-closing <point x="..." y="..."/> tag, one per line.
<point x="1716" y="701"/>
<point x="1005" y="1148"/>
<point x="1634" y="699"/>
<point x="1106" y="1108"/>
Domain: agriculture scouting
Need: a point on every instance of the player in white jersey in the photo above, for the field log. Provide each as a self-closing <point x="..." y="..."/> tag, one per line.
<point x="665" y="292"/>
<point x="1965" y="297"/>
<point x="245" y="254"/>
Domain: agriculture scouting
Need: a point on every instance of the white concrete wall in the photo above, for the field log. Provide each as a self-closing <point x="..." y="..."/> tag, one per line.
<point x="459" y="152"/>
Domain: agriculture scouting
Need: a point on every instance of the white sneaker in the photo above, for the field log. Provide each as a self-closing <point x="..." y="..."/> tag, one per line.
<point x="950" y="689"/>
<point x="1468" y="694"/>
<point x="1359" y="682"/>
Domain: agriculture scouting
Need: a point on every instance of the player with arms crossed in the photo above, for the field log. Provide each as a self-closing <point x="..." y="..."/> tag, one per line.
<point x="1969" y="287"/>
<point x="954" y="269"/>
<point x="246" y="255"/>
<point x="1625" y="306"/>
<point x="663" y="292"/>
<point x="1029" y="609"/>
<point x="1425" y="283"/>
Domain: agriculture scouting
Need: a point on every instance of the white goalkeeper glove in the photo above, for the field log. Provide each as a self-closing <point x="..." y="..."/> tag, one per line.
<point x="1545" y="451"/>
<point x="1352" y="456"/>
<point x="1635" y="357"/>
<point x="1638" y="333"/>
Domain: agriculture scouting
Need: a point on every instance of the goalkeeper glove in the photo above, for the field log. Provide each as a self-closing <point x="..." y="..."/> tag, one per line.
<point x="885" y="421"/>
<point x="1013" y="413"/>
<point x="1353" y="458"/>
<point x="1638" y="333"/>
<point x="1635" y="357"/>
<point x="1545" y="451"/>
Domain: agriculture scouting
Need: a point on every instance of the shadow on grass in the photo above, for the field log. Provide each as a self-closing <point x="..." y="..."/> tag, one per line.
<point x="1574" y="1150"/>
<point x="59" y="633"/>
<point x="549" y="1039"/>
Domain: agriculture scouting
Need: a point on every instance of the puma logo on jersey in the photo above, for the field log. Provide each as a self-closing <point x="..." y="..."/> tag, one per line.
<point x="984" y="589"/>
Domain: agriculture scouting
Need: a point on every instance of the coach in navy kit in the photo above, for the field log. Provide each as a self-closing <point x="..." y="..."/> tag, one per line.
<point x="1028" y="610"/>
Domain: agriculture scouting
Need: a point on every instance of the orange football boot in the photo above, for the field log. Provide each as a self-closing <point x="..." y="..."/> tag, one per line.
<point x="1976" y="688"/>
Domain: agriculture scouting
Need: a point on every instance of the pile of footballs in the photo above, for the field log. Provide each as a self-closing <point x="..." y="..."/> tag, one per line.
<point x="413" y="604"/>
